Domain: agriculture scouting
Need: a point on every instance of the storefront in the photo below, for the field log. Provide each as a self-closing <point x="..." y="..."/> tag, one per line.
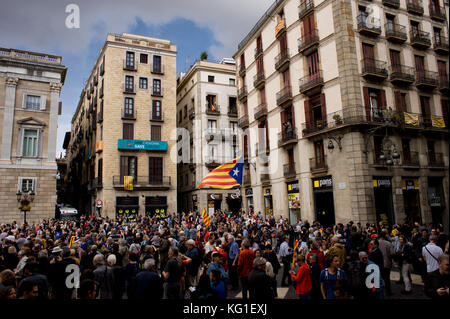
<point x="234" y="202"/>
<point x="436" y="199"/>
<point x="127" y="207"/>
<point x="214" y="203"/>
<point x="411" y="199"/>
<point x="294" y="202"/>
<point x="156" y="206"/>
<point x="194" y="202"/>
<point x="384" y="207"/>
<point x="268" y="202"/>
<point x="324" y="201"/>
<point x="249" y="198"/>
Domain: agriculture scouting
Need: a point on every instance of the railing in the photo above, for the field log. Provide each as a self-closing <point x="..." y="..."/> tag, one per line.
<point x="289" y="169"/>
<point x="159" y="92"/>
<point x="265" y="177"/>
<point x="441" y="43"/>
<point x="212" y="163"/>
<point x="243" y="121"/>
<point x="374" y="67"/>
<point x="262" y="148"/>
<point x="242" y="69"/>
<point x="44" y="58"/>
<point x="242" y="92"/>
<point x="370" y="24"/>
<point x="129" y="89"/>
<point x="156" y="117"/>
<point x="396" y="31"/>
<point x="411" y="159"/>
<point x="392" y="3"/>
<point x="129" y="116"/>
<point x="318" y="163"/>
<point x="284" y="94"/>
<point x="100" y="116"/>
<point x="212" y="109"/>
<point x="281" y="58"/>
<point x="280" y="28"/>
<point x="287" y="136"/>
<point x="414" y="6"/>
<point x="98" y="182"/>
<point x="310" y="81"/>
<point x="427" y="78"/>
<point x="437" y="12"/>
<point x="102" y="69"/>
<point x="307" y="40"/>
<point x="436" y="160"/>
<point x="260" y="110"/>
<point x="258" y="79"/>
<point x="157" y="69"/>
<point x="144" y="181"/>
<point x="129" y="66"/>
<point x="420" y="38"/>
<point x="402" y="73"/>
<point x="258" y="51"/>
<point x="246" y="180"/>
<point x="96" y="80"/>
<point x="101" y="91"/>
<point x="305" y="7"/>
<point x="232" y="111"/>
<point x="443" y="81"/>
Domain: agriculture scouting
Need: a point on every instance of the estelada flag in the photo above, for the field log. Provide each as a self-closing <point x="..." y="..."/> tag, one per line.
<point x="225" y="176"/>
<point x="128" y="183"/>
<point x="206" y="218"/>
<point x="295" y="252"/>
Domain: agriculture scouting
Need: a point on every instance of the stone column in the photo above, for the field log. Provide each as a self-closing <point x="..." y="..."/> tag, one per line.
<point x="8" y="118"/>
<point x="55" y="89"/>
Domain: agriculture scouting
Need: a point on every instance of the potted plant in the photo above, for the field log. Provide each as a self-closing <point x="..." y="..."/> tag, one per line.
<point x="337" y="118"/>
<point x="305" y="131"/>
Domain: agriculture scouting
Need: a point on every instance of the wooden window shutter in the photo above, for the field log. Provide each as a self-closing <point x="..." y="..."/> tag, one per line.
<point x="366" y="102"/>
<point x="444" y="105"/>
<point x="100" y="170"/>
<point x="323" y="107"/>
<point x="382" y="99"/>
<point x="398" y="101"/>
<point x="135" y="168"/>
<point x="308" y="113"/>
<point x="123" y="167"/>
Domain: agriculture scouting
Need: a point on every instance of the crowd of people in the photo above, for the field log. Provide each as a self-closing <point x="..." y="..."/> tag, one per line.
<point x="178" y="257"/>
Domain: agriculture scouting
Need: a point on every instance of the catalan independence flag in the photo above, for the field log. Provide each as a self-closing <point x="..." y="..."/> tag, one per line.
<point x="206" y="218"/>
<point x="225" y="176"/>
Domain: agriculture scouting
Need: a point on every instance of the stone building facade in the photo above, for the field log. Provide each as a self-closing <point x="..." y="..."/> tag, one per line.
<point x="30" y="86"/>
<point x="207" y="122"/>
<point x="123" y="131"/>
<point x="347" y="101"/>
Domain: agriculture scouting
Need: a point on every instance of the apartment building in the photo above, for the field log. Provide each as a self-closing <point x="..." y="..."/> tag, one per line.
<point x="119" y="160"/>
<point x="30" y="86"/>
<point x="344" y="110"/>
<point x="207" y="122"/>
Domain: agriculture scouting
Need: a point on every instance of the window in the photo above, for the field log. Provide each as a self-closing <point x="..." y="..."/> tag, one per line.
<point x="437" y="36"/>
<point x="415" y="28"/>
<point x="155" y="133"/>
<point x="185" y="111"/>
<point x="210" y="78"/>
<point x="144" y="58"/>
<point x="232" y="82"/>
<point x="130" y="59"/>
<point x="400" y="101"/>
<point x="128" y="131"/>
<point x="406" y="150"/>
<point x="313" y="64"/>
<point x="320" y="157"/>
<point x="27" y="184"/>
<point x="212" y="153"/>
<point x="129" y="107"/>
<point x="212" y="126"/>
<point x="157" y="67"/>
<point x="180" y="116"/>
<point x="129" y="85"/>
<point x="33" y="102"/>
<point x="143" y="83"/>
<point x="157" y="87"/>
<point x="156" y="110"/>
<point x="100" y="171"/>
<point x="128" y="167"/>
<point x="211" y="102"/>
<point x="233" y="126"/>
<point x="390" y="23"/>
<point x="30" y="143"/>
<point x="232" y="104"/>
<point x="235" y="151"/>
<point x="425" y="109"/>
<point x="155" y="169"/>
<point x="395" y="60"/>
<point x="431" y="152"/>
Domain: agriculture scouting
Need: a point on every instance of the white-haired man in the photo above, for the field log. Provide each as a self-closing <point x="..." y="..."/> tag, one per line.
<point x="149" y="284"/>
<point x="103" y="274"/>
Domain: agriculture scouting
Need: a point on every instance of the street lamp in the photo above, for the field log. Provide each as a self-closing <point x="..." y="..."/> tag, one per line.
<point x="25" y="199"/>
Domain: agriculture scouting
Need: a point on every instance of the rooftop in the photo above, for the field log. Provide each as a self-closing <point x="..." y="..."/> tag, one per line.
<point x="30" y="56"/>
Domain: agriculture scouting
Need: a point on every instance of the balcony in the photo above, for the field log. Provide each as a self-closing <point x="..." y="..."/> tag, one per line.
<point x="436" y="160"/>
<point x="443" y="83"/>
<point x="287" y="137"/>
<point x="100" y="94"/>
<point x="309" y="42"/>
<point x="156" y="116"/>
<point x="242" y="70"/>
<point x="440" y="45"/>
<point x="94" y="121"/>
<point x="212" y="109"/>
<point x="414" y="6"/>
<point x="191" y="113"/>
<point x="305" y="7"/>
<point x="260" y="111"/>
<point x="246" y="180"/>
<point x="98" y="182"/>
<point x="437" y="12"/>
<point x="420" y="39"/>
<point x="212" y="163"/>
<point x="100" y="116"/>
<point x="411" y="160"/>
<point x="374" y="70"/>
<point x="284" y="97"/>
<point x="262" y="149"/>
<point x="232" y="111"/>
<point x="243" y="121"/>
<point x="311" y="84"/>
<point x="99" y="147"/>
<point x="396" y="33"/>
<point x="144" y="182"/>
<point x="265" y="178"/>
<point x="392" y="3"/>
<point x="318" y="164"/>
<point x="280" y="29"/>
<point x="158" y="92"/>
<point x="127" y="89"/>
<point x="95" y="80"/>
<point x="402" y="75"/>
<point x="157" y="69"/>
<point x="289" y="170"/>
<point x="242" y="93"/>
<point x="369" y="26"/>
<point x="128" y="115"/>
<point x="129" y="66"/>
<point x="259" y="80"/>
<point x="102" y="69"/>
<point x="258" y="51"/>
<point x="282" y="61"/>
<point x="426" y="80"/>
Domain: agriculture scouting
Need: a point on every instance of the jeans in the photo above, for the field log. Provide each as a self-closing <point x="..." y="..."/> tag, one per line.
<point x="386" y="274"/>
<point x="406" y="272"/>
<point x="172" y="290"/>
<point x="304" y="296"/>
<point x="244" y="286"/>
<point x="286" y="267"/>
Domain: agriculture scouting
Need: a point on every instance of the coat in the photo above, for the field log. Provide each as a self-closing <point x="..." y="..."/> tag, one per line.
<point x="260" y="285"/>
<point x="303" y="280"/>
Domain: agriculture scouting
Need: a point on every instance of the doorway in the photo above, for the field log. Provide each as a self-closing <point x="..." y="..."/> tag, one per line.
<point x="324" y="207"/>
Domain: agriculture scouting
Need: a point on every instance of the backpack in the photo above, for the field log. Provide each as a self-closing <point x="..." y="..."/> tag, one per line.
<point x="338" y="272"/>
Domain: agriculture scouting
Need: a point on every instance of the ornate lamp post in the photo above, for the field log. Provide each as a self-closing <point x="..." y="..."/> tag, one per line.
<point x="25" y="199"/>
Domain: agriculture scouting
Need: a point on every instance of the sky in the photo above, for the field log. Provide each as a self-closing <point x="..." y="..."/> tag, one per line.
<point x="194" y="26"/>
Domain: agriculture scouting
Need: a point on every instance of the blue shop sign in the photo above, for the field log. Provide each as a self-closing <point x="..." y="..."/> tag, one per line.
<point x="142" y="145"/>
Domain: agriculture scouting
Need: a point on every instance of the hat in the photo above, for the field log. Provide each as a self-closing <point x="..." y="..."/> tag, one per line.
<point x="56" y="250"/>
<point x="190" y="242"/>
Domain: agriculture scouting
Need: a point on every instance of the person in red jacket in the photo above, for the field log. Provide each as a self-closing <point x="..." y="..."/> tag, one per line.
<point x="315" y="251"/>
<point x="245" y="265"/>
<point x="302" y="278"/>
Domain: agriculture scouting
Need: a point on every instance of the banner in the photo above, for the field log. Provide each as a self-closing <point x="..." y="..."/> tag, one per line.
<point x="437" y="121"/>
<point x="128" y="183"/>
<point x="411" y="119"/>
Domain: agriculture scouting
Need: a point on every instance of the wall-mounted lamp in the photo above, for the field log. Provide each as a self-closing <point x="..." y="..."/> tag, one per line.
<point x="337" y="140"/>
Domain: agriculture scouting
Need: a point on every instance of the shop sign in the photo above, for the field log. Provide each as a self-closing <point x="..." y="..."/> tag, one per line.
<point x="324" y="182"/>
<point x="234" y="196"/>
<point x="410" y="184"/>
<point x="385" y="182"/>
<point x="214" y="196"/>
<point x="142" y="145"/>
<point x="293" y="187"/>
<point x="127" y="201"/>
<point x="267" y="192"/>
<point x="156" y="201"/>
<point x="194" y="198"/>
<point x="248" y="192"/>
